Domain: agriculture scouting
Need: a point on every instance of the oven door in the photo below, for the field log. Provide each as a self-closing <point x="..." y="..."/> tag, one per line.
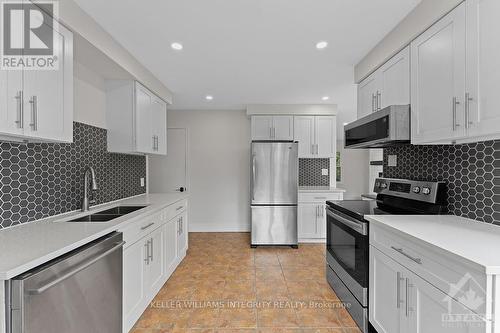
<point x="347" y="245"/>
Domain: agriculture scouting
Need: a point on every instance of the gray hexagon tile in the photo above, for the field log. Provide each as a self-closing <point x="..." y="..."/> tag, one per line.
<point x="41" y="180"/>
<point x="310" y="171"/>
<point x="472" y="172"/>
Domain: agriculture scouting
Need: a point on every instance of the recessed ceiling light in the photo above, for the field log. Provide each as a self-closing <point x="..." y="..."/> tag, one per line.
<point x="325" y="98"/>
<point x="176" y="46"/>
<point x="209" y="97"/>
<point x="321" y="45"/>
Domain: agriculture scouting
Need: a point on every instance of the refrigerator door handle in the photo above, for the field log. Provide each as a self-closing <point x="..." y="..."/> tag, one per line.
<point x="253" y="176"/>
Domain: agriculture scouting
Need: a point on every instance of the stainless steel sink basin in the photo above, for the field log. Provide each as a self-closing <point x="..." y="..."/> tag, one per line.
<point x="108" y="215"/>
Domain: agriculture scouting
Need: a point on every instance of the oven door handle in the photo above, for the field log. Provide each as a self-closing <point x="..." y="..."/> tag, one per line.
<point x="359" y="227"/>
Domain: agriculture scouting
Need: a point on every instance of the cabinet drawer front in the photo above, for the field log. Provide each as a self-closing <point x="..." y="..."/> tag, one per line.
<point x="175" y="209"/>
<point x="320" y="197"/>
<point x="141" y="228"/>
<point x="440" y="268"/>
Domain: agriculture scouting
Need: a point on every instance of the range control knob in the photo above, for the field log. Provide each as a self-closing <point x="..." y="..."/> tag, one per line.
<point x="383" y="185"/>
<point x="426" y="190"/>
<point x="377" y="184"/>
<point x="416" y="189"/>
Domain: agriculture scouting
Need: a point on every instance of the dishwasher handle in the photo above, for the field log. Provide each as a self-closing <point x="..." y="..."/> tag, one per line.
<point x="80" y="267"/>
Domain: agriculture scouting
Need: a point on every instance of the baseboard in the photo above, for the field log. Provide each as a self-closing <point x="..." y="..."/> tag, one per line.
<point x="217" y="227"/>
<point x="312" y="240"/>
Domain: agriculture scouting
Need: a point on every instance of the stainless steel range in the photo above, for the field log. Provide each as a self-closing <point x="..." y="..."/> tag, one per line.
<point x="348" y="241"/>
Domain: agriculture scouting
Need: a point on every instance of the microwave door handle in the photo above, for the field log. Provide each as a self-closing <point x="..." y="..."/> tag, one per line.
<point x="359" y="227"/>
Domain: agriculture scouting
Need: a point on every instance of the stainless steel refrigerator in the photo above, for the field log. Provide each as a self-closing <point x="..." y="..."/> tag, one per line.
<point x="274" y="192"/>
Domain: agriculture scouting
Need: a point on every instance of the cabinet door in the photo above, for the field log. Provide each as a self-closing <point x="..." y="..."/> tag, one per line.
<point x="145" y="140"/>
<point x="283" y="128"/>
<point x="48" y="97"/>
<point x="367" y="91"/>
<point x="429" y="310"/>
<point x="395" y="80"/>
<point x="325" y="136"/>
<point x="159" y="125"/>
<point x="155" y="267"/>
<point x="308" y="220"/>
<point x="182" y="238"/>
<point x="386" y="289"/>
<point x="304" y="134"/>
<point x="483" y="66"/>
<point x="11" y="102"/>
<point x="438" y="80"/>
<point x="170" y="246"/>
<point x="133" y="282"/>
<point x="262" y="127"/>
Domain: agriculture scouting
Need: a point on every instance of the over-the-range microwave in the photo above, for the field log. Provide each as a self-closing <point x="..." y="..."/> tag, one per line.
<point x="385" y="128"/>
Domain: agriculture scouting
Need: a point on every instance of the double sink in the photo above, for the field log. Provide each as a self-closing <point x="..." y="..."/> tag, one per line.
<point x="108" y="215"/>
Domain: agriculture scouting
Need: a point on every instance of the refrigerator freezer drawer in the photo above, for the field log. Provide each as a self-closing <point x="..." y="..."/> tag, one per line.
<point x="274" y="225"/>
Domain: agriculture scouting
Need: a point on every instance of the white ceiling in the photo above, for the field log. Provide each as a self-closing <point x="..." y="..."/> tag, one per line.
<point x="251" y="51"/>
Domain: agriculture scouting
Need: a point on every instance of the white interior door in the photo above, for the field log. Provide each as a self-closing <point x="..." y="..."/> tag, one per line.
<point x="170" y="173"/>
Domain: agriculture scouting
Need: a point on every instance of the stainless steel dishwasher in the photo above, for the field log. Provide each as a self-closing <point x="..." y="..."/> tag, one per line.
<point x="79" y="292"/>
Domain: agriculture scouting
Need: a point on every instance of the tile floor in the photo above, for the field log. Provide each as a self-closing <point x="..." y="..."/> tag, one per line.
<point x="225" y="286"/>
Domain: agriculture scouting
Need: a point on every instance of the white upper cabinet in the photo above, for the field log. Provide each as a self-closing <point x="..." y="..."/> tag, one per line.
<point x="454" y="74"/>
<point x="367" y="95"/>
<point x="304" y="134"/>
<point x="317" y="136"/>
<point x="136" y="119"/>
<point x="388" y="85"/>
<point x="394" y="78"/>
<point x="272" y="128"/>
<point x="37" y="105"/>
<point x="438" y="80"/>
<point x="483" y="68"/>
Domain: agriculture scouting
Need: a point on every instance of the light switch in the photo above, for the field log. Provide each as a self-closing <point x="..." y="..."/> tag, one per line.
<point x="142" y="182"/>
<point x="324" y="172"/>
<point x="392" y="160"/>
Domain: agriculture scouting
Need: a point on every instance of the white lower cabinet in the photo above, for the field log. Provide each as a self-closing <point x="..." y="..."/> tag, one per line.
<point x="402" y="302"/>
<point x="311" y="217"/>
<point x="159" y="244"/>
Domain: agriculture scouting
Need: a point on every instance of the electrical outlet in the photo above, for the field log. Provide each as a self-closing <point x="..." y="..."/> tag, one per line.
<point x="392" y="160"/>
<point x="324" y="172"/>
<point x="142" y="182"/>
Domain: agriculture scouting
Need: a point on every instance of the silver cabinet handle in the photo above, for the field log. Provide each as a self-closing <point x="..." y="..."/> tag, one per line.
<point x="20" y="109"/>
<point x="398" y="291"/>
<point x="178" y="226"/>
<point x="80" y="268"/>
<point x="182" y="225"/>
<point x="320" y="198"/>
<point x="468" y="99"/>
<point x="147" y="253"/>
<point x="373" y="102"/>
<point x="408" y="287"/>
<point x="400" y="250"/>
<point x="455" y="103"/>
<point x="34" y="113"/>
<point x="312" y="149"/>
<point x="270" y="132"/>
<point x="152" y="249"/>
<point x="179" y="208"/>
<point x="253" y="176"/>
<point x="379" y="100"/>
<point x="147" y="226"/>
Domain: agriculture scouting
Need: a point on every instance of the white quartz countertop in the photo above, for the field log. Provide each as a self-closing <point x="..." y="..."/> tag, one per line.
<point x="29" y="245"/>
<point x="477" y="242"/>
<point x="320" y="189"/>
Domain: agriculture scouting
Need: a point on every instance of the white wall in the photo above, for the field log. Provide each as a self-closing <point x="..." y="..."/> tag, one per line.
<point x="219" y="163"/>
<point x="89" y="97"/>
<point x="416" y="22"/>
<point x="355" y="168"/>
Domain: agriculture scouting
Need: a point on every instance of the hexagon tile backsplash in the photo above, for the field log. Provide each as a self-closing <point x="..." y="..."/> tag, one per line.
<point x="472" y="173"/>
<point x="45" y="179"/>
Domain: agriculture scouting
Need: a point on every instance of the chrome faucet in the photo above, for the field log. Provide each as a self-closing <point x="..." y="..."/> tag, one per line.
<point x="89" y="172"/>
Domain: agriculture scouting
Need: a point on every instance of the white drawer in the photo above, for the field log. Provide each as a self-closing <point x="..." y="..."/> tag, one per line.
<point x="444" y="270"/>
<point x="319" y="197"/>
<point x="139" y="229"/>
<point x="175" y="209"/>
